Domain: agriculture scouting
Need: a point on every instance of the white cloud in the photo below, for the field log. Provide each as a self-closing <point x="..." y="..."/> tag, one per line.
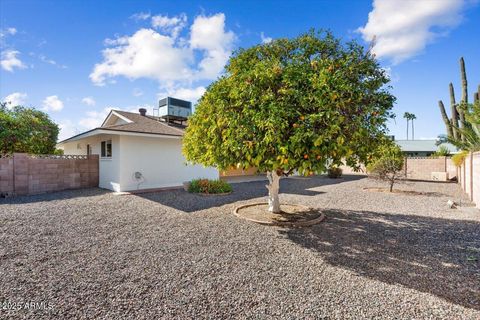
<point x="161" y="55"/>
<point x="94" y="119"/>
<point x="208" y="34"/>
<point x="146" y="54"/>
<point x="402" y="29"/>
<point x="190" y="94"/>
<point x="50" y="61"/>
<point x="7" y="32"/>
<point x="140" y="16"/>
<point x="264" y="38"/>
<point x="15" y="99"/>
<point x="52" y="103"/>
<point x="67" y="130"/>
<point x="89" y="101"/>
<point x="9" y="60"/>
<point x="171" y="26"/>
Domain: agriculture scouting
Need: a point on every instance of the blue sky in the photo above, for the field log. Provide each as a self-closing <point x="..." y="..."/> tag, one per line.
<point x="76" y="59"/>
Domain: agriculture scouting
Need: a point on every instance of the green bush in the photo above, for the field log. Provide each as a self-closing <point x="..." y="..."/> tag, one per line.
<point x="209" y="186"/>
<point x="334" y="172"/>
<point x="442" y="151"/>
<point x="387" y="164"/>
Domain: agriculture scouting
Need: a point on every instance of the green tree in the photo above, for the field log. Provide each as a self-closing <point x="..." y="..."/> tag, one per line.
<point x="410" y="117"/>
<point x="26" y="130"/>
<point x="302" y="104"/>
<point x="387" y="164"/>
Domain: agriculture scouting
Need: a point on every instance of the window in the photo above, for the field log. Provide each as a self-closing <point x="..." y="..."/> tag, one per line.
<point x="89" y="150"/>
<point x="107" y="149"/>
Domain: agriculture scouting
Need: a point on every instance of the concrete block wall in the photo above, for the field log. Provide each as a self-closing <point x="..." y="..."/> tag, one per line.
<point x="469" y="177"/>
<point x="25" y="174"/>
<point x="421" y="168"/>
<point x="6" y="174"/>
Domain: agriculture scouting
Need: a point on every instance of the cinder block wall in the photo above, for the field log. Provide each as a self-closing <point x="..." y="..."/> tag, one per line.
<point x="470" y="177"/>
<point x="25" y="174"/>
<point x="421" y="168"/>
<point x="6" y="174"/>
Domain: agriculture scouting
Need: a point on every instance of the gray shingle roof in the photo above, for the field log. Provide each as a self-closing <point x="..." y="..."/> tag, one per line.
<point x="422" y="145"/>
<point x="146" y="124"/>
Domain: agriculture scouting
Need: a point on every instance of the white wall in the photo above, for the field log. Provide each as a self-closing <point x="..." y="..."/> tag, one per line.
<point x="109" y="168"/>
<point x="160" y="161"/>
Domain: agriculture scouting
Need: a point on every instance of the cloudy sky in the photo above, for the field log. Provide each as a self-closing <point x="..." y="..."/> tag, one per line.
<point x="77" y="59"/>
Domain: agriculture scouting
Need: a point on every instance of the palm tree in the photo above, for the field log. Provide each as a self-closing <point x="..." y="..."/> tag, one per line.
<point x="406" y="115"/>
<point x="410" y="116"/>
<point x="413" y="117"/>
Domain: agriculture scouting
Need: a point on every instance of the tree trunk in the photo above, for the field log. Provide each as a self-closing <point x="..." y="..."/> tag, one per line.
<point x="413" y="131"/>
<point x="407" y="129"/>
<point x="273" y="188"/>
<point x="391" y="185"/>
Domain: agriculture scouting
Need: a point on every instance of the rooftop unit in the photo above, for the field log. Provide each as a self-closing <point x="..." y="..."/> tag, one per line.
<point x="172" y="109"/>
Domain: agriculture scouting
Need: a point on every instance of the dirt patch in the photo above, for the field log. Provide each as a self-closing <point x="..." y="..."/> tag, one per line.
<point x="293" y="215"/>
<point x="405" y="192"/>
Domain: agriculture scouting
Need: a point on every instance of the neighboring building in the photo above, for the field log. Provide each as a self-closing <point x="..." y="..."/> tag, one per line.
<point x="422" y="148"/>
<point x="138" y="151"/>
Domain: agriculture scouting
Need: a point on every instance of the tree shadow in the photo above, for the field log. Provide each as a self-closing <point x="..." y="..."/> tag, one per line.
<point x="54" y="196"/>
<point x="189" y="202"/>
<point x="431" y="255"/>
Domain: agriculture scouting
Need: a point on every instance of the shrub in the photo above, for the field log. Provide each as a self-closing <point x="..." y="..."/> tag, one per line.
<point x="387" y="164"/>
<point x="459" y="158"/>
<point x="442" y="151"/>
<point x="209" y="186"/>
<point x="334" y="172"/>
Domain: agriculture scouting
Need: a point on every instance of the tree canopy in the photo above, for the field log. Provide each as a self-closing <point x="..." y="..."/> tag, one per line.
<point x="299" y="104"/>
<point x="26" y="130"/>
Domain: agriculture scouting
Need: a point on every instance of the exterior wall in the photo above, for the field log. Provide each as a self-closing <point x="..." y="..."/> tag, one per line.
<point x="24" y="174"/>
<point x="6" y="175"/>
<point x="420" y="168"/>
<point x="234" y="172"/>
<point x="109" y="176"/>
<point x="469" y="178"/>
<point x="159" y="160"/>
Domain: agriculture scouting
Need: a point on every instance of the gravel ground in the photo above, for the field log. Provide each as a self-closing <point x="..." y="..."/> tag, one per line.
<point x="92" y="254"/>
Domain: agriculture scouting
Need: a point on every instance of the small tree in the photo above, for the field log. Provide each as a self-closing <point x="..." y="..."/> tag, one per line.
<point x="26" y="130"/>
<point x="442" y="151"/>
<point x="387" y="164"/>
<point x="300" y="104"/>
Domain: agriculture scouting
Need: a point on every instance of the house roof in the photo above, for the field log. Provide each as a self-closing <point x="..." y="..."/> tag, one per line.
<point x="423" y="146"/>
<point x="145" y="124"/>
<point x="136" y="124"/>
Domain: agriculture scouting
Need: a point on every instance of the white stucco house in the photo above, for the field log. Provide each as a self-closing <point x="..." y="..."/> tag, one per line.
<point x="139" y="151"/>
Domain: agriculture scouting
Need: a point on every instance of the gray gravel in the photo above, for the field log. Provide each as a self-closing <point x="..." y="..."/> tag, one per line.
<point x="92" y="254"/>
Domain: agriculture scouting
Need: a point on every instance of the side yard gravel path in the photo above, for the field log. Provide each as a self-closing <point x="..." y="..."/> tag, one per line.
<point x="90" y="254"/>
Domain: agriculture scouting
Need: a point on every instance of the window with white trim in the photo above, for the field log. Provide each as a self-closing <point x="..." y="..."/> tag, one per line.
<point x="106" y="151"/>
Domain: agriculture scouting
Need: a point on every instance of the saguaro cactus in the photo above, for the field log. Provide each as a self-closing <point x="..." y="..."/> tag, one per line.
<point x="454" y="112"/>
<point x="457" y="110"/>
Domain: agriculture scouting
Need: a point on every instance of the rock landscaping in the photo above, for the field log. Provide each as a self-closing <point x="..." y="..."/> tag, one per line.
<point x="91" y="254"/>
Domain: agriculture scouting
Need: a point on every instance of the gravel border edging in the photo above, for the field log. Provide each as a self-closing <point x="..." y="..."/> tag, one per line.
<point x="280" y="224"/>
